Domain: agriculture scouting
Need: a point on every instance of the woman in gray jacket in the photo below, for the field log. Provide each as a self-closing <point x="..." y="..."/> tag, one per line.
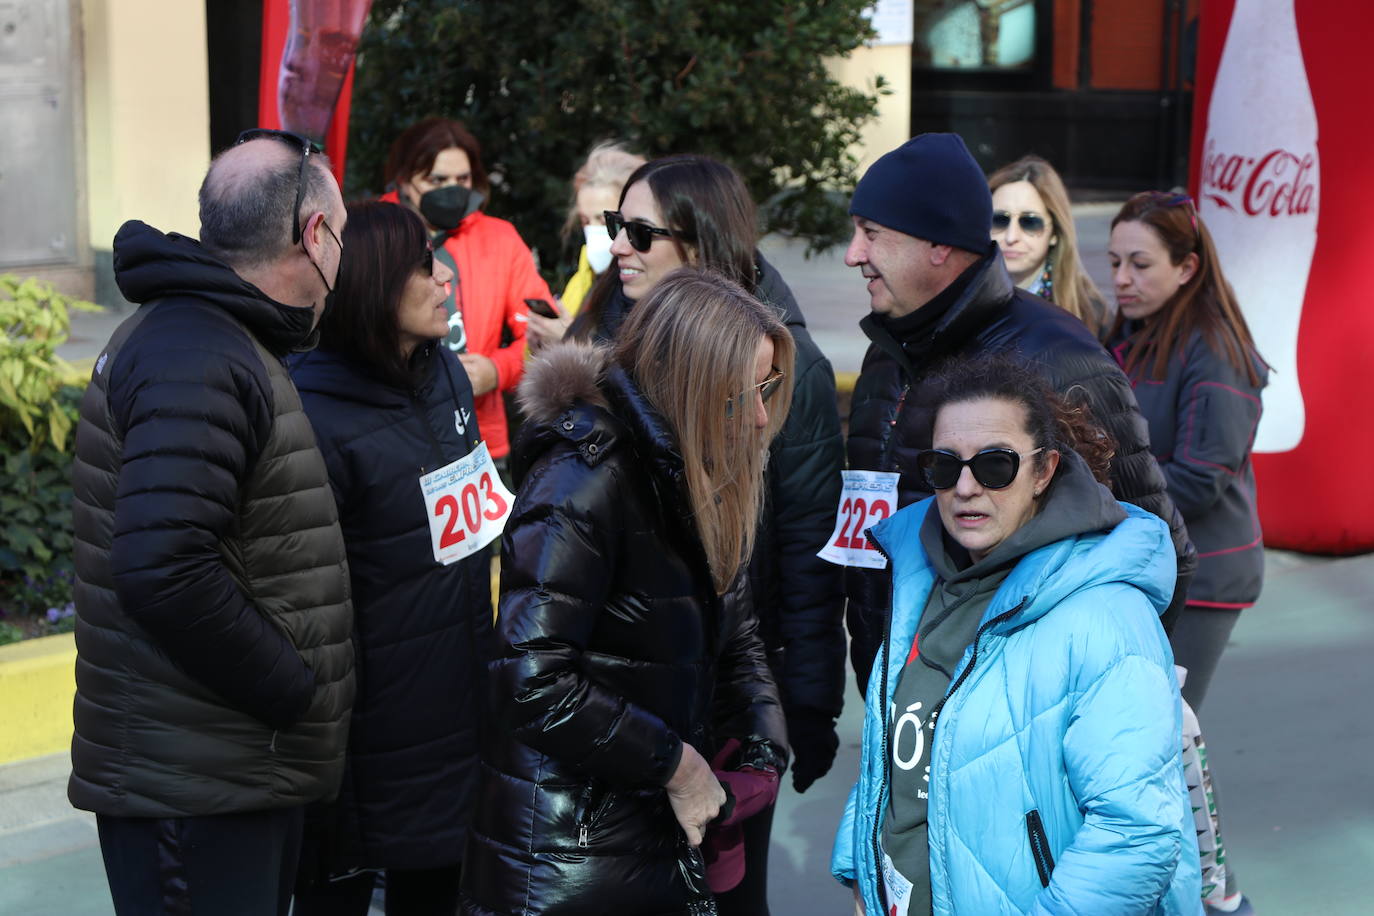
<point x="1183" y="342"/>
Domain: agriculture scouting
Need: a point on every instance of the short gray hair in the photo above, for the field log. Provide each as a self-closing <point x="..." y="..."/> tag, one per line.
<point x="245" y="217"/>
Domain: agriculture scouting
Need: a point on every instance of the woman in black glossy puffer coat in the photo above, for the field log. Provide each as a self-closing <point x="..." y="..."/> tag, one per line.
<point x="618" y="668"/>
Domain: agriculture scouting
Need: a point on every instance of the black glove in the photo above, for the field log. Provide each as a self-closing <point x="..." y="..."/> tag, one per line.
<point x="814" y="743"/>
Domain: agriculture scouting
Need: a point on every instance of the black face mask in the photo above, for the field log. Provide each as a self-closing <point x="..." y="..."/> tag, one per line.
<point x="444" y="208"/>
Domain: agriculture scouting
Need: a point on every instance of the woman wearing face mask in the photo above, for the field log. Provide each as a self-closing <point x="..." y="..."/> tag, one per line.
<point x="694" y="210"/>
<point x="435" y="167"/>
<point x="619" y="660"/>
<point x="596" y="189"/>
<point x="388" y="404"/>
<point x="1033" y="226"/>
<point x="1020" y="748"/>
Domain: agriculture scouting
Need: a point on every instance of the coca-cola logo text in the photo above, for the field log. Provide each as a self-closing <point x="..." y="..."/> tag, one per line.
<point x="1279" y="183"/>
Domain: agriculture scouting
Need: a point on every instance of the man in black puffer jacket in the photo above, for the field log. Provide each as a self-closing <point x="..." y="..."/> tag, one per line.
<point x="938" y="288"/>
<point x="214" y="665"/>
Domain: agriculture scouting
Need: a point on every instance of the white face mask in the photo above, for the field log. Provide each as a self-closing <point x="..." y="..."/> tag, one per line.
<point x="598" y="247"/>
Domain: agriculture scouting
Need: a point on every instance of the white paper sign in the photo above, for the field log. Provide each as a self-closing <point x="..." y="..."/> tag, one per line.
<point x="467" y="505"/>
<point x="868" y="497"/>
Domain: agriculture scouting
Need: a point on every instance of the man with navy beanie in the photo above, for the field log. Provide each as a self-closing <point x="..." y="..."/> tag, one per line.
<point x="938" y="288"/>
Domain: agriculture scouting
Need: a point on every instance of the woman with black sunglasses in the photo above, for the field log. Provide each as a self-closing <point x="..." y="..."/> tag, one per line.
<point x="1033" y="226"/>
<point x="691" y="209"/>
<point x="390" y="406"/>
<point x="1021" y="744"/>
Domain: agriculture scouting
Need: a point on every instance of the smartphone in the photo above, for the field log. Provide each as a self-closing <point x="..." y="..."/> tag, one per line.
<point x="541" y="307"/>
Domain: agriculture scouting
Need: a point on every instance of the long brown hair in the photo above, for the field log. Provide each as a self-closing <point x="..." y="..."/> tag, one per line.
<point x="1204" y="305"/>
<point x="690" y="345"/>
<point x="1073" y="290"/>
<point x="715" y="225"/>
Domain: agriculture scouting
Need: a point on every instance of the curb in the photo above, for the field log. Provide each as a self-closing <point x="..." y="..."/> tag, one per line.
<point x="38" y="682"/>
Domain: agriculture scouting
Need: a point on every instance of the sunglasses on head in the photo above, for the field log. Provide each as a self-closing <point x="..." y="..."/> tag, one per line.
<point x="994" y="468"/>
<point x="641" y="235"/>
<point x="1166" y="199"/>
<point x="765" y="388"/>
<point x="295" y="141"/>
<point x="1030" y="223"/>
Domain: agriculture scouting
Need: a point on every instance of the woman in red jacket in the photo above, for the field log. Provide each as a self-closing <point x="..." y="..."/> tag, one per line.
<point x="435" y="166"/>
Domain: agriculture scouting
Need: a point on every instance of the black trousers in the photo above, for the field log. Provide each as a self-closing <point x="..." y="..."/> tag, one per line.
<point x="212" y="865"/>
<point x="409" y="892"/>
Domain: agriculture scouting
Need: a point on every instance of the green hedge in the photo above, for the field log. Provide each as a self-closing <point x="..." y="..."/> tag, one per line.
<point x="540" y="82"/>
<point x="38" y="411"/>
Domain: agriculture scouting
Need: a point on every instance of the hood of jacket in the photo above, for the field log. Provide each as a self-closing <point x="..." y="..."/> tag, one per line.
<point x="1136" y="551"/>
<point x="563" y="382"/>
<point x="151" y="265"/>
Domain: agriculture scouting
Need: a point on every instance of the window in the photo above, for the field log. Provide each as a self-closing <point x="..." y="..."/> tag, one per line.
<point x="962" y="35"/>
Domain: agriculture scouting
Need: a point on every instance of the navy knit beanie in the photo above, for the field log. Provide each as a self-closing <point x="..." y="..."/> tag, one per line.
<point x="931" y="188"/>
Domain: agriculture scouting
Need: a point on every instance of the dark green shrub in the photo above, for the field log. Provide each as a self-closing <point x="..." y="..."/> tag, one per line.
<point x="38" y="410"/>
<point x="540" y="82"/>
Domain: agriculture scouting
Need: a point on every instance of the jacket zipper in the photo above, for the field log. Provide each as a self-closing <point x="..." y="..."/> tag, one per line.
<point x="888" y="444"/>
<point x="882" y="714"/>
<point x="584" y="814"/>
<point x="1040" y="846"/>
<point x="968" y="669"/>
<point x="934" y="713"/>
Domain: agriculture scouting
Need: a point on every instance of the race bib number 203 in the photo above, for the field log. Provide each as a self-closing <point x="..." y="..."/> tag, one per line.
<point x="867" y="498"/>
<point x="467" y="504"/>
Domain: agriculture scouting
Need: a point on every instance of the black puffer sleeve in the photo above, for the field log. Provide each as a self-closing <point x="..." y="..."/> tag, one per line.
<point x="804" y="490"/>
<point x="193" y="418"/>
<point x="747" y="705"/>
<point x="1093" y="377"/>
<point x="559" y="552"/>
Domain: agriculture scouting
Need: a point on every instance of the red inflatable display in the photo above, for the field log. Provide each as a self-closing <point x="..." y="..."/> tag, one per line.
<point x="305" y="81"/>
<point x="1281" y="136"/>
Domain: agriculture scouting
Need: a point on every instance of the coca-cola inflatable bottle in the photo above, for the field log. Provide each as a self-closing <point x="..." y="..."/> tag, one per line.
<point x="1260" y="189"/>
<point x="320" y="46"/>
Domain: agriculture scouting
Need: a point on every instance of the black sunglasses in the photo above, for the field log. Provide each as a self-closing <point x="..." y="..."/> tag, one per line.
<point x="641" y="235"/>
<point x="1030" y="223"/>
<point x="295" y="141"/>
<point x="765" y="388"/>
<point x="994" y="468"/>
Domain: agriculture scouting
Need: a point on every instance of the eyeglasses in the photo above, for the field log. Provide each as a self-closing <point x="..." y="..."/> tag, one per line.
<point x="641" y="235"/>
<point x="1030" y="223"/>
<point x="295" y="141"/>
<point x="1165" y="199"/>
<point x="994" y="468"/>
<point x="765" y="388"/>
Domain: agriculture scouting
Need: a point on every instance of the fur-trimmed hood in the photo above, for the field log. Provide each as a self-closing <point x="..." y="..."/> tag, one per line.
<point x="560" y="376"/>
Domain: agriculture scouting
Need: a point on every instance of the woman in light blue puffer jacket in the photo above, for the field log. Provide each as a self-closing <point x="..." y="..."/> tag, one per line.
<point x="1025" y="622"/>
